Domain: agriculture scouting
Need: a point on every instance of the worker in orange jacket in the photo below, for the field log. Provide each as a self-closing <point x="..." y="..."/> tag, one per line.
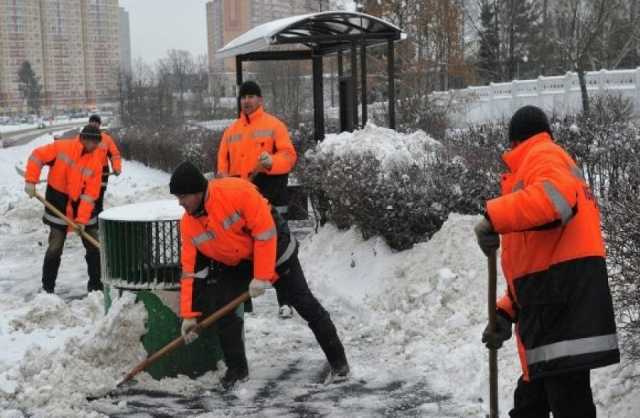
<point x="111" y="156"/>
<point x="231" y="240"/>
<point x="553" y="259"/>
<point x="257" y="147"/>
<point x="73" y="187"/>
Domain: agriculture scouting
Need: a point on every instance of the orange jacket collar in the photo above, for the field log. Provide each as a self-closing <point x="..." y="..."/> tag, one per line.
<point x="254" y="116"/>
<point x="514" y="157"/>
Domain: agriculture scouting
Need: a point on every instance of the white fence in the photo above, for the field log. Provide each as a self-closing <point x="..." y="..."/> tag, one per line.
<point x="559" y="95"/>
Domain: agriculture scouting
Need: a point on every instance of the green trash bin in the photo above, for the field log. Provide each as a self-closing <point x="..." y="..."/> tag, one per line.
<point x="140" y="252"/>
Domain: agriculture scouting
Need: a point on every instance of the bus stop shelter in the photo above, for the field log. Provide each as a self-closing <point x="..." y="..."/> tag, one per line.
<point x="314" y="36"/>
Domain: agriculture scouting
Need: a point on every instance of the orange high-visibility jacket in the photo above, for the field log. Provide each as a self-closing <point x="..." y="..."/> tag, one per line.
<point x="553" y="260"/>
<point x="73" y="180"/>
<point x="111" y="154"/>
<point x="243" y="142"/>
<point x="236" y="225"/>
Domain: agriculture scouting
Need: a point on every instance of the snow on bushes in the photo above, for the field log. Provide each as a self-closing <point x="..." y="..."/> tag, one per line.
<point x="399" y="186"/>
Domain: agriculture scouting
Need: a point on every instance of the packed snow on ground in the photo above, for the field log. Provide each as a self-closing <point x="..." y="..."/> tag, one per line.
<point x="410" y="322"/>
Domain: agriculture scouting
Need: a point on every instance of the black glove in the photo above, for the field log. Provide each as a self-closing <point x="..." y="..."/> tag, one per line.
<point x="487" y="238"/>
<point x="502" y="333"/>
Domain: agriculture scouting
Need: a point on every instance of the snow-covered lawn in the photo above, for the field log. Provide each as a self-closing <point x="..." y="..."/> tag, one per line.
<point x="410" y="321"/>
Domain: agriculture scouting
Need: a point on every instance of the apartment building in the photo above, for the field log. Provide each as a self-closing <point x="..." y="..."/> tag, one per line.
<point x="20" y="40"/>
<point x="125" y="42"/>
<point x="73" y="47"/>
<point x="227" y="19"/>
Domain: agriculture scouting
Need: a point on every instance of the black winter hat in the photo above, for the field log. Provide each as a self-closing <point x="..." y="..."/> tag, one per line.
<point x="95" y="118"/>
<point x="526" y="122"/>
<point x="250" y="88"/>
<point x="91" y="132"/>
<point x="187" y="179"/>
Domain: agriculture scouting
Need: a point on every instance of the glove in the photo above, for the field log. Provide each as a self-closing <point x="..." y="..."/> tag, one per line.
<point x="265" y="160"/>
<point x="257" y="287"/>
<point x="502" y="333"/>
<point x="30" y="189"/>
<point x="81" y="228"/>
<point x="487" y="238"/>
<point x="187" y="325"/>
<point x="117" y="172"/>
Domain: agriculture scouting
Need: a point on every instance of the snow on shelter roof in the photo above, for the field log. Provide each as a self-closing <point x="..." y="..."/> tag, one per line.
<point x="329" y="31"/>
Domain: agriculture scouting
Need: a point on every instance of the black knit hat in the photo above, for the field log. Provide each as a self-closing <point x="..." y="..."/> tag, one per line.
<point x="91" y="132"/>
<point x="250" y="88"/>
<point x="526" y="122"/>
<point x="187" y="179"/>
<point x="95" y="118"/>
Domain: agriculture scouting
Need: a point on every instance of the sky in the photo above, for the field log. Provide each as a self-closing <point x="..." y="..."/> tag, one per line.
<point x="159" y="25"/>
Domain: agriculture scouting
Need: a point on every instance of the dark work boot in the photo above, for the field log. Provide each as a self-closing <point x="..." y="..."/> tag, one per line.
<point x="50" y="273"/>
<point x="330" y="343"/>
<point x="232" y="377"/>
<point x="232" y="346"/>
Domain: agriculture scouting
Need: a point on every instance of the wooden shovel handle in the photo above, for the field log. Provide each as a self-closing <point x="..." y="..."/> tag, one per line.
<point x="178" y="342"/>
<point x="72" y="224"/>
<point x="493" y="353"/>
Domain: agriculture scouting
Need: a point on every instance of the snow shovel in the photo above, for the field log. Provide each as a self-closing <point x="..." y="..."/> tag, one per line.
<point x="178" y="342"/>
<point x="493" y="353"/>
<point x="72" y="224"/>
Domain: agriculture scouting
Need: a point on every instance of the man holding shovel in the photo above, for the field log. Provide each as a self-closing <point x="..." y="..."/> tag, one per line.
<point x="553" y="259"/>
<point x="232" y="240"/>
<point x="73" y="186"/>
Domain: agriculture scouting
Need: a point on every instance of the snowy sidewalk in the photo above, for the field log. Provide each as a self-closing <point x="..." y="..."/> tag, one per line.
<point x="410" y="322"/>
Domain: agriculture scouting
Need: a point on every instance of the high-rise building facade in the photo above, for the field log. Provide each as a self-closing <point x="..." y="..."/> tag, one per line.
<point x="73" y="47"/>
<point x="227" y="19"/>
<point x="125" y="42"/>
<point x="20" y="41"/>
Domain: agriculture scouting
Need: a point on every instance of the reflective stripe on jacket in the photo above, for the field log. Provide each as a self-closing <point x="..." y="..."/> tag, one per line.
<point x="236" y="225"/>
<point x="553" y="261"/>
<point x="74" y="178"/>
<point x="243" y="142"/>
<point x="241" y="146"/>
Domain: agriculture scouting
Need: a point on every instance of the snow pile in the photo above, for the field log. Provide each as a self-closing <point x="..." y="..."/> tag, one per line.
<point x="55" y="383"/>
<point x="391" y="148"/>
<point x="45" y="312"/>
<point x="426" y="307"/>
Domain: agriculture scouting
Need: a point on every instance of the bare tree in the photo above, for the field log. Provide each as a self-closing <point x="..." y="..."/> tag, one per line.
<point x="176" y="70"/>
<point x="584" y="22"/>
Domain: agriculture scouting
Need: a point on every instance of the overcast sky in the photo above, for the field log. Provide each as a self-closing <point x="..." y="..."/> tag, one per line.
<point x="159" y="25"/>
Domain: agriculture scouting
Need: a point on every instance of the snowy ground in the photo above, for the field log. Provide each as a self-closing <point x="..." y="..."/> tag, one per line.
<point x="410" y="322"/>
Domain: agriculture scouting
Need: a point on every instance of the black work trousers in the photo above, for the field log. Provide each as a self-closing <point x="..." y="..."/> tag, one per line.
<point x="565" y="396"/>
<point x="57" y="237"/>
<point x="232" y="281"/>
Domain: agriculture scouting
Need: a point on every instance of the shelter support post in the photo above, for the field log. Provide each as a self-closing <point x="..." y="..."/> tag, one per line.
<point x="318" y="98"/>
<point x="391" y="84"/>
<point x="354" y="81"/>
<point x="363" y="82"/>
<point x="238" y="79"/>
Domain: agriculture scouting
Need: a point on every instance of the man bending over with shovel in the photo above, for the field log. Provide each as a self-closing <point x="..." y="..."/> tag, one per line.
<point x="73" y="186"/>
<point x="232" y="240"/>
